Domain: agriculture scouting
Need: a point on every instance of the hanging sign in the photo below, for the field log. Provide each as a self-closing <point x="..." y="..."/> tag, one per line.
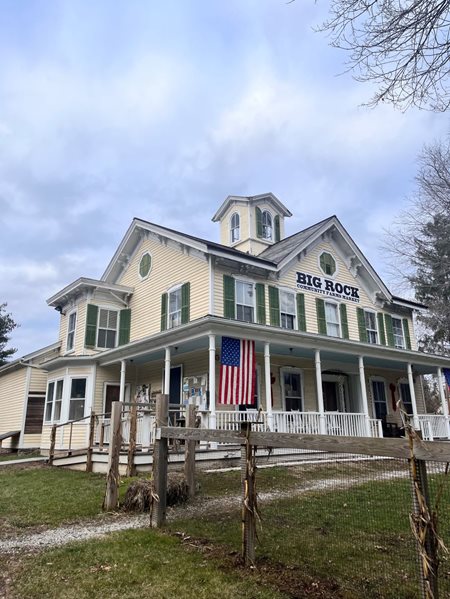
<point x="327" y="287"/>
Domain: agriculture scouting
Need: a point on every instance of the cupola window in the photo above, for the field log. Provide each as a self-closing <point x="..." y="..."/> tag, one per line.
<point x="266" y="225"/>
<point x="235" y="228"/>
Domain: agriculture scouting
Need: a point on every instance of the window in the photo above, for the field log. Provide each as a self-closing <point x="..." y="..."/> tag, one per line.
<point x="292" y="390"/>
<point x="245" y="301"/>
<point x="379" y="399"/>
<point x="77" y="399"/>
<point x="175" y="308"/>
<point x="107" y="328"/>
<point x="371" y="326"/>
<point x="266" y="225"/>
<point x="287" y="310"/>
<point x="235" y="227"/>
<point x="145" y="265"/>
<point x="405" y="394"/>
<point x="327" y="263"/>
<point x="53" y="401"/>
<point x="332" y="319"/>
<point x="71" y="331"/>
<point x="397" y="329"/>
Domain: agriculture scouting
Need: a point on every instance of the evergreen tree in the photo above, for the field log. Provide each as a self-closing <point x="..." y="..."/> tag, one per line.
<point x="7" y="325"/>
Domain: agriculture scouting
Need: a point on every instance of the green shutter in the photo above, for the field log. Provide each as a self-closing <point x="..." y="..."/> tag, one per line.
<point x="260" y="303"/>
<point x="381" y="328"/>
<point x="406" y="333"/>
<point x="185" y="302"/>
<point x="90" y="339"/>
<point x="259" y="227"/>
<point x="277" y="228"/>
<point x="163" y="311"/>
<point x="361" y="325"/>
<point x="274" y="306"/>
<point x="321" y="319"/>
<point x="301" y="317"/>
<point x="124" y="326"/>
<point x="389" y="330"/>
<point x="344" y="321"/>
<point x="229" y="306"/>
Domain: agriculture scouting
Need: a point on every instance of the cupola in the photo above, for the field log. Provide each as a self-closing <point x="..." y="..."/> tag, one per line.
<point x="251" y="223"/>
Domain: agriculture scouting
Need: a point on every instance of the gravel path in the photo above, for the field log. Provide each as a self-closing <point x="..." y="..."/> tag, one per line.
<point x="56" y="537"/>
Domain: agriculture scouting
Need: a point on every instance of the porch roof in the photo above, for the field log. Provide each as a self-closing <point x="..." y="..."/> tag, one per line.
<point x="194" y="336"/>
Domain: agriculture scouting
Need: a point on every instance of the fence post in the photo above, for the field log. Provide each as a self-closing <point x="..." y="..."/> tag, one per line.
<point x="424" y="529"/>
<point x="112" y="480"/>
<point x="51" y="451"/>
<point x="91" y="442"/>
<point x="189" y="453"/>
<point x="160" y="454"/>
<point x="131" y="468"/>
<point x="249" y="507"/>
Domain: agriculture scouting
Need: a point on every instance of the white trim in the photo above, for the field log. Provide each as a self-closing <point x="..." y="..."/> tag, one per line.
<point x="263" y="238"/>
<point x="230" y="228"/>
<point x="69" y="314"/>
<point x="245" y="281"/>
<point x="294" y="293"/>
<point x="372" y="311"/>
<point x="378" y="379"/>
<point x="393" y="316"/>
<point x="337" y="304"/>
<point x="211" y="285"/>
<point x="112" y="309"/>
<point x="114" y="384"/>
<point x="341" y="380"/>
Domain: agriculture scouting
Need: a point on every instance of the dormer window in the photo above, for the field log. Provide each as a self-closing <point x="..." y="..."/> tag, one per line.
<point x="235" y="228"/>
<point x="266" y="225"/>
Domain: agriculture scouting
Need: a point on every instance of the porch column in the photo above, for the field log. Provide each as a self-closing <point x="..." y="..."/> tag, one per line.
<point x="444" y="403"/>
<point x="123" y="370"/>
<point x="323" y="426"/>
<point x="167" y="372"/>
<point x="212" y="382"/>
<point x="268" y="386"/>
<point x="413" y="398"/>
<point x="362" y="382"/>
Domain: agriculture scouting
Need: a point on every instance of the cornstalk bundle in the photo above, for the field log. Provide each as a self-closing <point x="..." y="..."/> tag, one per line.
<point x="140" y="494"/>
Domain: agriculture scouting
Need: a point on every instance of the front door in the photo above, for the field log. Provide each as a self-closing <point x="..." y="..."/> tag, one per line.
<point x="176" y="375"/>
<point x="330" y="392"/>
<point x="292" y="391"/>
<point x="112" y="394"/>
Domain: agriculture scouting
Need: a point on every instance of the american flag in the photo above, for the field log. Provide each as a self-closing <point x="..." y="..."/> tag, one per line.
<point x="447" y="376"/>
<point x="237" y="371"/>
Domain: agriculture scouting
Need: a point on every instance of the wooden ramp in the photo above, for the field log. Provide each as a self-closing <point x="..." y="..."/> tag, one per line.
<point x="9" y="435"/>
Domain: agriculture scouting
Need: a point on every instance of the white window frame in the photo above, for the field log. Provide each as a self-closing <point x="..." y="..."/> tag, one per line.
<point x="375" y="330"/>
<point x="267" y="230"/>
<point x="253" y="305"/>
<point x="378" y="379"/>
<point x="396" y="336"/>
<point x="338" y="323"/>
<point x="107" y="384"/>
<point x="172" y="290"/>
<point x="54" y="400"/>
<point x="336" y="265"/>
<point x="109" y="309"/>
<point x="292" y="370"/>
<point x="139" y="266"/>
<point x="71" y="331"/>
<point x="69" y="393"/>
<point x="294" y="313"/>
<point x="235" y="227"/>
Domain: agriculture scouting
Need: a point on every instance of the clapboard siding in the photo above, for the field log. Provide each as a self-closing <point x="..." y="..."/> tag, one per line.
<point x="107" y="374"/>
<point x="170" y="267"/>
<point x="12" y="399"/>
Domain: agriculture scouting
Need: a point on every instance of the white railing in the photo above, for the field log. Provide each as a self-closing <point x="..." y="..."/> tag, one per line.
<point x="433" y="426"/>
<point x="301" y="423"/>
<point x="231" y="421"/>
<point x="376" y="427"/>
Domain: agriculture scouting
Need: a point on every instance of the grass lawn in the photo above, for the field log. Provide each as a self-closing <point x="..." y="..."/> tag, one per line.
<point x="44" y="496"/>
<point x="139" y="563"/>
<point x="6" y="457"/>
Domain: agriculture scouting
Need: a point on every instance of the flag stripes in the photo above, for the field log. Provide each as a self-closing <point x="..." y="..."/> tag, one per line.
<point x="237" y="372"/>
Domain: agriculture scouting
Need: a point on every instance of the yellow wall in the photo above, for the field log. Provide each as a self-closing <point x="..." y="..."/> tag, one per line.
<point x="170" y="267"/>
<point x="12" y="396"/>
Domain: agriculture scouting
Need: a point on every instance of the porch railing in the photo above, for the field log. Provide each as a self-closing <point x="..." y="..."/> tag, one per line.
<point x="433" y="426"/>
<point x="145" y="426"/>
<point x="302" y="423"/>
<point x="231" y="421"/>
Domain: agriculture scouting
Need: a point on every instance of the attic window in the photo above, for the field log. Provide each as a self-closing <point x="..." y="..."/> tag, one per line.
<point x="266" y="225"/>
<point x="327" y="263"/>
<point x="145" y="265"/>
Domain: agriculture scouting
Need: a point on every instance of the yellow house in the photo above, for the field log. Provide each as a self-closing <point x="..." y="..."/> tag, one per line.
<point x="335" y="350"/>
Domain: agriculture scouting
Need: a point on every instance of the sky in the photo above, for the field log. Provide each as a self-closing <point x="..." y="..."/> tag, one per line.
<point x="160" y="110"/>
